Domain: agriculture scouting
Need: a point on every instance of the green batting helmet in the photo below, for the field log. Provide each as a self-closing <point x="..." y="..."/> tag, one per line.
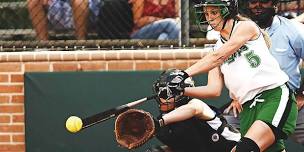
<point x="229" y="8"/>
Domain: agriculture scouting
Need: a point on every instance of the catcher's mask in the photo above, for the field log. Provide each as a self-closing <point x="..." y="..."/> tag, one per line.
<point x="168" y="76"/>
<point x="227" y="9"/>
<point x="260" y="12"/>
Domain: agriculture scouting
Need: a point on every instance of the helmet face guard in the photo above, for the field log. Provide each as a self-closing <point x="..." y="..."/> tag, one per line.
<point x="228" y="9"/>
<point x="161" y="85"/>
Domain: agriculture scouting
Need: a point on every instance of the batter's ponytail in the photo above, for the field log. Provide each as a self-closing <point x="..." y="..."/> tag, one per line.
<point x="266" y="38"/>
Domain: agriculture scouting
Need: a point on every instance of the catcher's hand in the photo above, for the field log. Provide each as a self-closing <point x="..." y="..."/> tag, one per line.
<point x="133" y="128"/>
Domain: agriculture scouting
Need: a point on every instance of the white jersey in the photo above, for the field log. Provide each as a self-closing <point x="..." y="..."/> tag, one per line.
<point x="251" y="70"/>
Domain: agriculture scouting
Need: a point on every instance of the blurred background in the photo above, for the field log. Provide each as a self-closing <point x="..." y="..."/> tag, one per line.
<point x="104" y="24"/>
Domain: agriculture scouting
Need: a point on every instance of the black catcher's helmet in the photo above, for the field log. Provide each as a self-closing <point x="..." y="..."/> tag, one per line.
<point x="169" y="76"/>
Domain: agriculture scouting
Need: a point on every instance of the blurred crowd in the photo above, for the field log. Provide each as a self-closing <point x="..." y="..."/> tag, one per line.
<point x="114" y="19"/>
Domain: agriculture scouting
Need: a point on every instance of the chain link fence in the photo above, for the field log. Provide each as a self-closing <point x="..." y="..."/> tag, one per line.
<point x="103" y="24"/>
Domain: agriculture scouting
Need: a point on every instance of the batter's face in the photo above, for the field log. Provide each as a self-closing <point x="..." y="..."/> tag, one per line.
<point x="213" y="17"/>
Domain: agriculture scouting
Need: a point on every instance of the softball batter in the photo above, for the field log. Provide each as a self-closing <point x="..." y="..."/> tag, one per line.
<point x="252" y="76"/>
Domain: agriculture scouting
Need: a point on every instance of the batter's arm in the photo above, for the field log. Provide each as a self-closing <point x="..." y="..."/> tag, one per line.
<point x="243" y="33"/>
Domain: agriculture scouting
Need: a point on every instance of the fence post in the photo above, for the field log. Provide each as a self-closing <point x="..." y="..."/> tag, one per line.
<point x="185" y="22"/>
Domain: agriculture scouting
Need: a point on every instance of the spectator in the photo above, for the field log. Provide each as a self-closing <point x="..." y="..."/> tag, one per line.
<point x="289" y="15"/>
<point x="300" y="18"/>
<point x="155" y="19"/>
<point x="287" y="48"/>
<point x="115" y="20"/>
<point x="62" y="15"/>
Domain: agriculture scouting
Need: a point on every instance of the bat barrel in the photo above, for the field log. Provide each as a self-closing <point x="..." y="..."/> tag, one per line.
<point x="103" y="116"/>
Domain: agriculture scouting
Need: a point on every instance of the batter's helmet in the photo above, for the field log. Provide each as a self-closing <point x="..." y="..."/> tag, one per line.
<point x="229" y="8"/>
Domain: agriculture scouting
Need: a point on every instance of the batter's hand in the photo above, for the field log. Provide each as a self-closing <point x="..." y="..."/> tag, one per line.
<point x="235" y="106"/>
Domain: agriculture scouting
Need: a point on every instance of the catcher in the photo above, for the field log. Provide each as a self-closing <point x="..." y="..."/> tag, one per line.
<point x="187" y="124"/>
<point x="184" y="124"/>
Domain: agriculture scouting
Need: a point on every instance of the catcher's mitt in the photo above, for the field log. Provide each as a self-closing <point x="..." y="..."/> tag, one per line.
<point x="133" y="128"/>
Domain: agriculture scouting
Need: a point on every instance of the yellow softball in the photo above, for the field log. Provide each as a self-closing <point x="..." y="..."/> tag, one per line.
<point x="73" y="124"/>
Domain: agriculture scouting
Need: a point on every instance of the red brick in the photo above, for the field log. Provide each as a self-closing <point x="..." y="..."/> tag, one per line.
<point x="3" y="57"/>
<point x="148" y="65"/>
<point x="18" y="138"/>
<point x="11" y="109"/>
<point x="17" y="99"/>
<point x="17" y="78"/>
<point x="41" y="57"/>
<point x="10" y="67"/>
<point x="4" y="99"/>
<point x="166" y="55"/>
<point x="98" y="55"/>
<point x="5" y="119"/>
<point x="179" y="64"/>
<point x="83" y="56"/>
<point x="126" y="55"/>
<point x="55" y="57"/>
<point x="140" y="55"/>
<point x="5" y="138"/>
<point x="111" y="55"/>
<point x="11" y="88"/>
<point x="37" y="67"/>
<point x="69" y="57"/>
<point x="3" y="78"/>
<point x="93" y="66"/>
<point x="120" y="65"/>
<point x="12" y="128"/>
<point x="18" y="118"/>
<point x="27" y="57"/>
<point x="12" y="148"/>
<point x="181" y="54"/>
<point x="13" y="58"/>
<point x="65" y="66"/>
<point x="153" y="55"/>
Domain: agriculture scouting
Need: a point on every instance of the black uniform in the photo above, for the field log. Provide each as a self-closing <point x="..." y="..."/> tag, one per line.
<point x="194" y="135"/>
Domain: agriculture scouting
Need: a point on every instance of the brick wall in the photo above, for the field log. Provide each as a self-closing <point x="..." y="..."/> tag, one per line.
<point x="14" y="64"/>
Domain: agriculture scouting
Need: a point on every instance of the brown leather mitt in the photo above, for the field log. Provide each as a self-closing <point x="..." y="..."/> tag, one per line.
<point x="133" y="128"/>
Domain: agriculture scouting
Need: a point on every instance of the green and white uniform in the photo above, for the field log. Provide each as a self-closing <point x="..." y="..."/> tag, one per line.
<point x="251" y="70"/>
<point x="254" y="78"/>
